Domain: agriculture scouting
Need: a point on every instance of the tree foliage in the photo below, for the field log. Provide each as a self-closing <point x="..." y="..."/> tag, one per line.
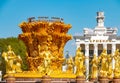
<point x="17" y="46"/>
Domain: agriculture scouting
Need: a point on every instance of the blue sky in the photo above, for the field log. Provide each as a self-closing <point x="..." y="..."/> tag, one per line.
<point x="78" y="13"/>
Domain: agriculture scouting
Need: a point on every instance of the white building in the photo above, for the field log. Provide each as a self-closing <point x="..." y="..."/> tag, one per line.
<point x="94" y="40"/>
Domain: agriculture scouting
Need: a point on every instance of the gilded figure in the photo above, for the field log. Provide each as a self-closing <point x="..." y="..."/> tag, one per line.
<point x="70" y="64"/>
<point x="13" y="62"/>
<point x="79" y="62"/>
<point x="103" y="64"/>
<point x="94" y="68"/>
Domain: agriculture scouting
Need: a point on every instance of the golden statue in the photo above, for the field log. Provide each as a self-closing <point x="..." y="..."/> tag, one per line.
<point x="103" y="65"/>
<point x="47" y="59"/>
<point x="70" y="64"/>
<point x="94" y="68"/>
<point x="110" y="69"/>
<point x="79" y="62"/>
<point x="13" y="62"/>
<point x="117" y="64"/>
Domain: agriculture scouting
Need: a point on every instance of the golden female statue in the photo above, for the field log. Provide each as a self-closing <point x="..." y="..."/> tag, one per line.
<point x="79" y="62"/>
<point x="103" y="65"/>
<point x="18" y="64"/>
<point x="13" y="62"/>
<point x="47" y="57"/>
<point x="117" y="64"/>
<point x="110" y="69"/>
<point x="70" y="64"/>
<point x="94" y="68"/>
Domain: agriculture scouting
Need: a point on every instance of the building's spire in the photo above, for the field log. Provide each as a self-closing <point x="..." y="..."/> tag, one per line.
<point x="100" y="19"/>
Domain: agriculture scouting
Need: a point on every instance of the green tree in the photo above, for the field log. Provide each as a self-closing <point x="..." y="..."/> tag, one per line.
<point x="17" y="46"/>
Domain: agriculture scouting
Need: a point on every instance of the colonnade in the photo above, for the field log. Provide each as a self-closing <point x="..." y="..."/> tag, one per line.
<point x="113" y="48"/>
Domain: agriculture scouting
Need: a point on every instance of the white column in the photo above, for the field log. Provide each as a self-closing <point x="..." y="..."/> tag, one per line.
<point x="87" y="50"/>
<point x="113" y="48"/>
<point x="78" y="45"/>
<point x="105" y="46"/>
<point x="87" y="60"/>
<point x="113" y="51"/>
<point x="96" y="49"/>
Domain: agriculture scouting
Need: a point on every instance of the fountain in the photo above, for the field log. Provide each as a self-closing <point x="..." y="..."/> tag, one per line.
<point x="45" y="40"/>
<point x="42" y="37"/>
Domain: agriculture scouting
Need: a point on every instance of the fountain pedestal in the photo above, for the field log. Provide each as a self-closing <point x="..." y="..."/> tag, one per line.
<point x="46" y="79"/>
<point x="93" y="80"/>
<point x="116" y="80"/>
<point x="80" y="79"/>
<point x="10" y="79"/>
<point x="104" y="80"/>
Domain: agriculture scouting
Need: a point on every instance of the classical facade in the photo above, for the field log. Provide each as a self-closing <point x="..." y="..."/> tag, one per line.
<point x="95" y="40"/>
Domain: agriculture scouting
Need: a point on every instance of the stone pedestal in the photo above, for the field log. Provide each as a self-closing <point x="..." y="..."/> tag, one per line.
<point x="93" y="80"/>
<point x="46" y="79"/>
<point x="110" y="80"/>
<point x="116" y="80"/>
<point x="10" y="79"/>
<point x="103" y="80"/>
<point x="80" y="79"/>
